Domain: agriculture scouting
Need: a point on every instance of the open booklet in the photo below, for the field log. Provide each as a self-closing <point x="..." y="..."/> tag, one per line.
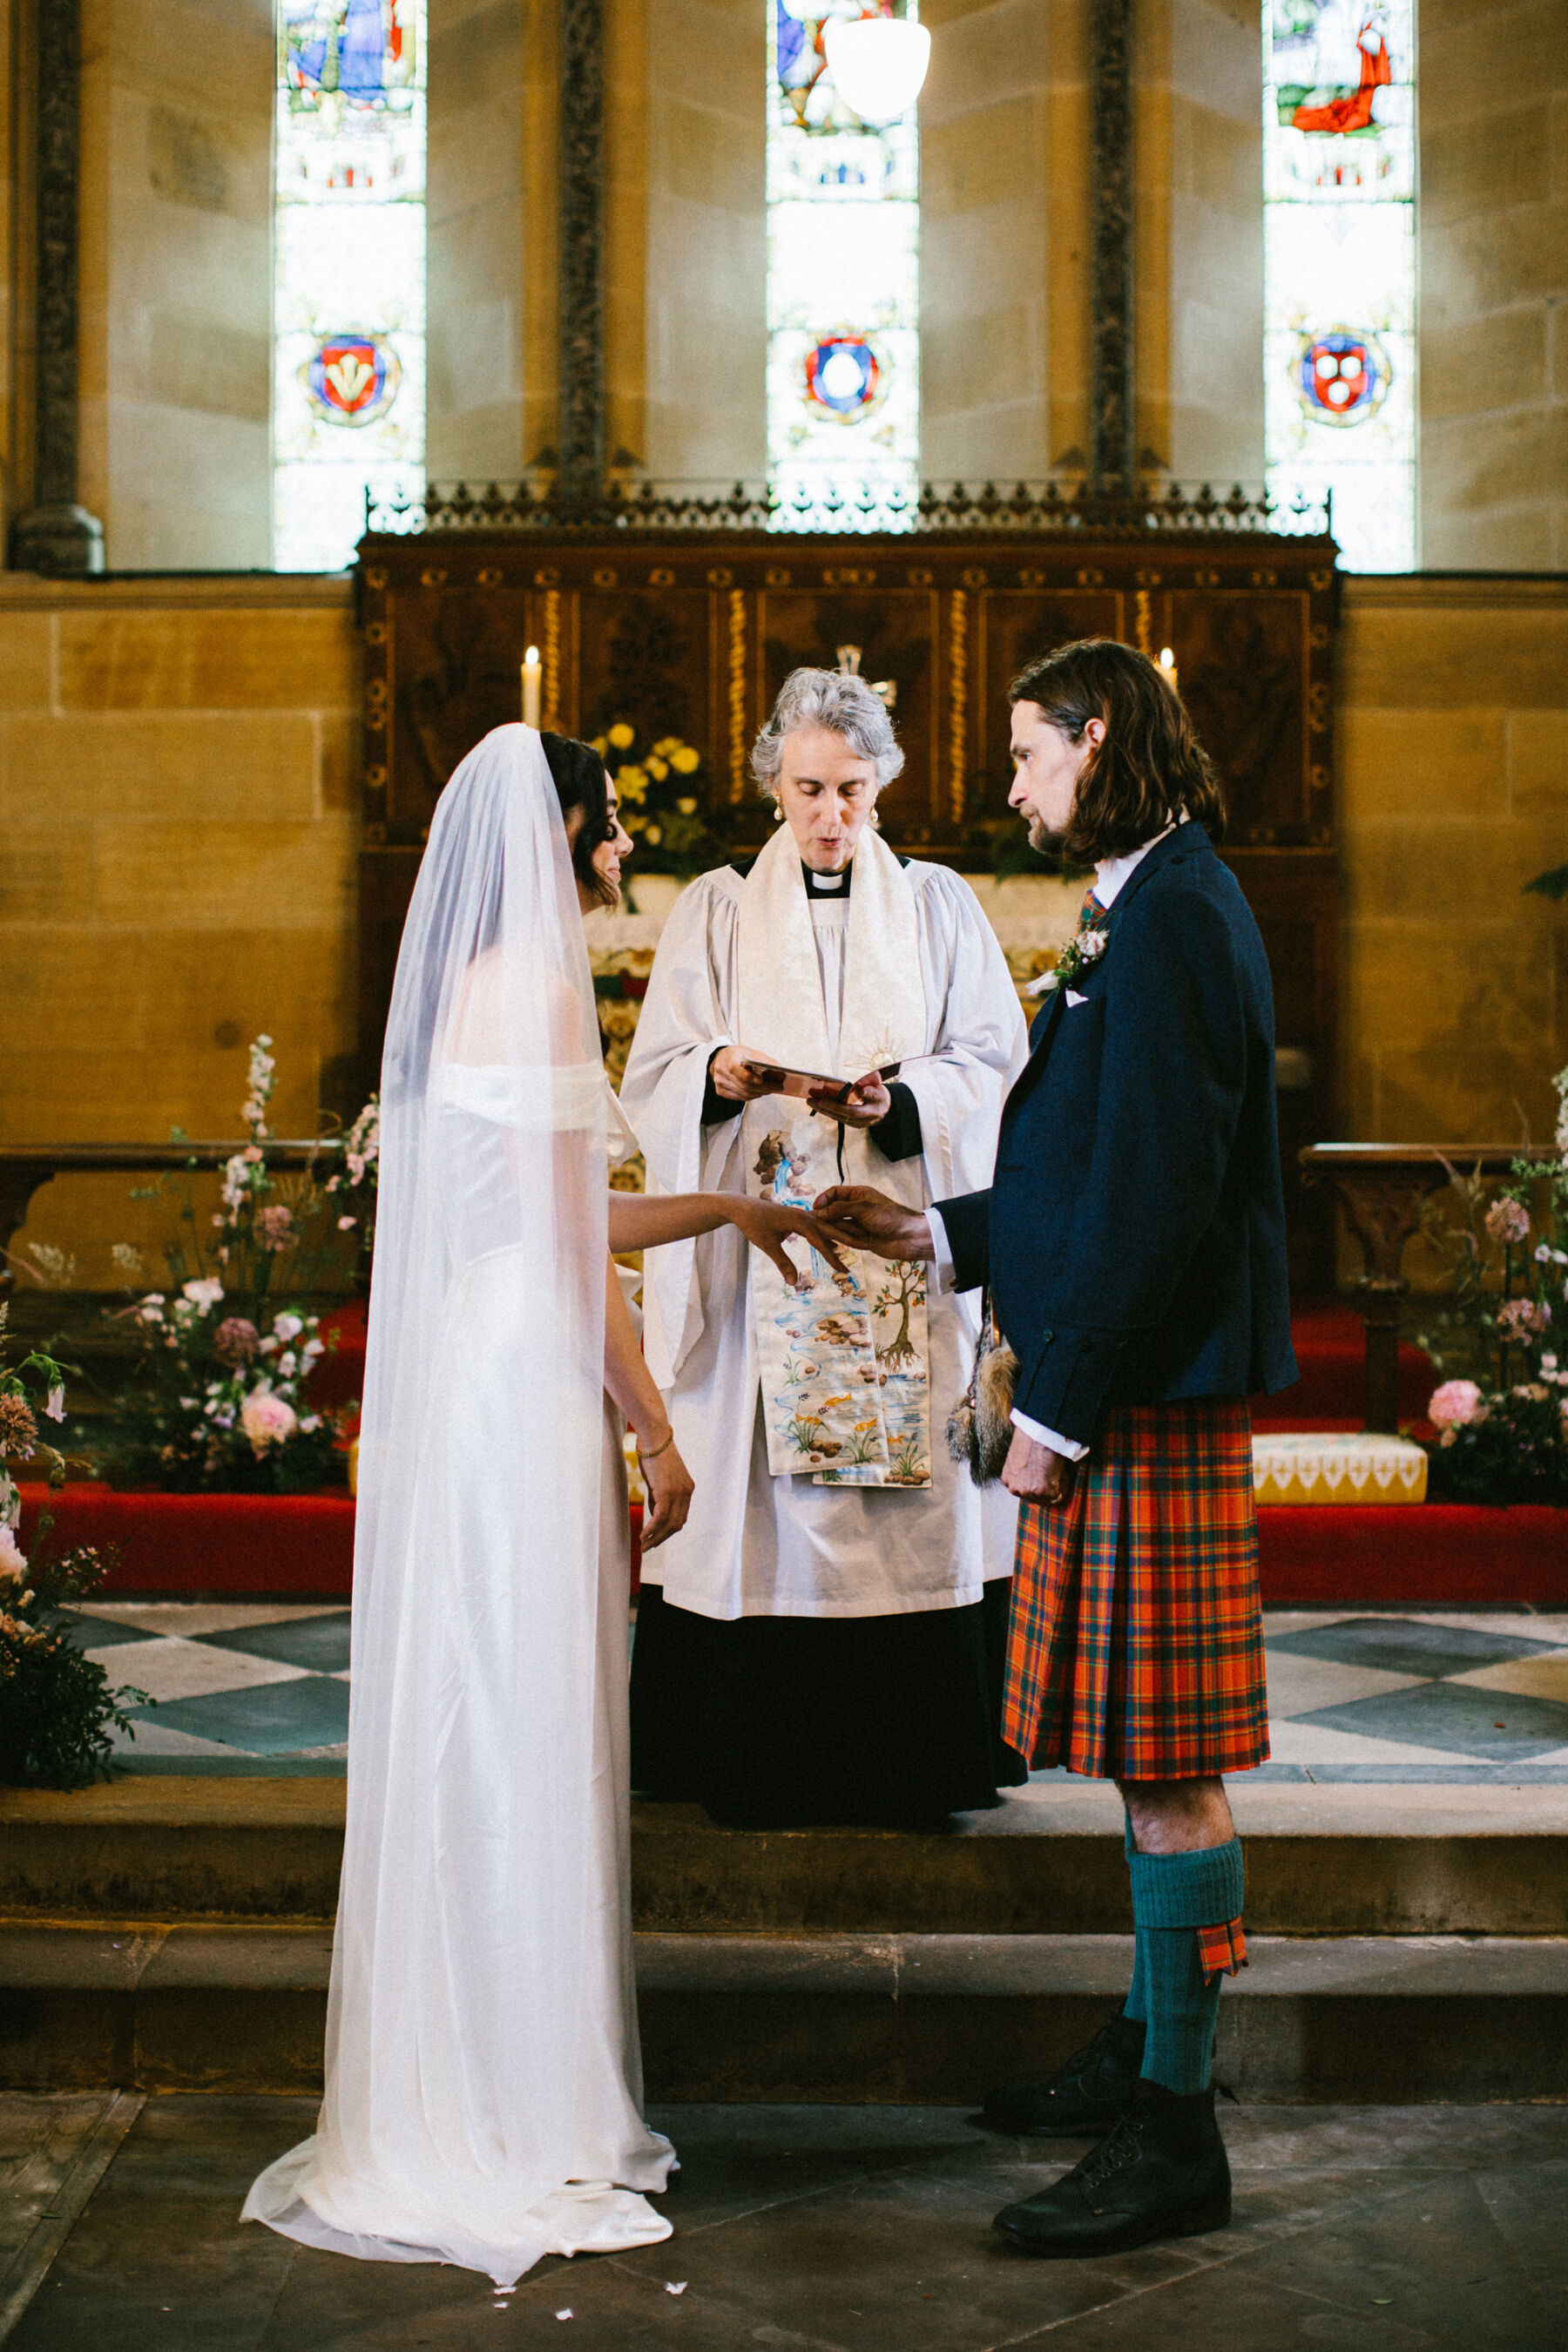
<point x="801" y="1084"/>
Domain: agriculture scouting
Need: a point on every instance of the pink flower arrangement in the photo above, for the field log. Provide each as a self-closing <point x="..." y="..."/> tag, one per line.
<point x="277" y="1224"/>
<point x="1508" y="1221"/>
<point x="1519" y="1318"/>
<point x="1454" y="1405"/>
<point x="13" y="1562"/>
<point x="266" y="1420"/>
<point x="236" y="1340"/>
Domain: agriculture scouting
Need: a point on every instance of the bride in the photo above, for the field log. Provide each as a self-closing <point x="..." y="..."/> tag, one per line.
<point x="483" y="2076"/>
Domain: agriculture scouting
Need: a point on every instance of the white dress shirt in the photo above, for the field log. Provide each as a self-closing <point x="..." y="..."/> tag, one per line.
<point x="1109" y="876"/>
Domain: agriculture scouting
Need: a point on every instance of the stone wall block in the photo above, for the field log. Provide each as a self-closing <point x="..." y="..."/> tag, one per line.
<point x="207" y="661"/>
<point x="1421" y="764"/>
<point x="1487" y="161"/>
<point x="978" y="159"/>
<point x="1475" y="363"/>
<point x="1483" y="51"/>
<point x="1538" y="765"/>
<point x="46" y="876"/>
<point x="162" y="765"/>
<point x="204" y="876"/>
<point x="1406" y="658"/>
<point x="26" y="643"/>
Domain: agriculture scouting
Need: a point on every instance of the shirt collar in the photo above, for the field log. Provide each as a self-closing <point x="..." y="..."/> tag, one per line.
<point x="1112" y="873"/>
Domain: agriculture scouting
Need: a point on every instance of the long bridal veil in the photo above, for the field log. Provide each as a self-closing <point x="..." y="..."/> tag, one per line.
<point x="482" y="2083"/>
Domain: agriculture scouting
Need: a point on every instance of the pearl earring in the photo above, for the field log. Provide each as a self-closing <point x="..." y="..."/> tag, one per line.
<point x="778" y="813"/>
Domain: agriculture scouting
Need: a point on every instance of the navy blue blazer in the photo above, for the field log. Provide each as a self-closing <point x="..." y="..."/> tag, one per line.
<point x="1134" y="1234"/>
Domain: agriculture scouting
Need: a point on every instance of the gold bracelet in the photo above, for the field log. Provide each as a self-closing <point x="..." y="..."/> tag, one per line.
<point x="644" y="1456"/>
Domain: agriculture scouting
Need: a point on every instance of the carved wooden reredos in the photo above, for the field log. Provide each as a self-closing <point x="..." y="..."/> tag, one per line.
<point x="692" y="633"/>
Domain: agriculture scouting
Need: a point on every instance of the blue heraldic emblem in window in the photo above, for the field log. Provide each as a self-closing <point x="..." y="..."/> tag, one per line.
<point x="1342" y="376"/>
<point x="846" y="375"/>
<point x="352" y="378"/>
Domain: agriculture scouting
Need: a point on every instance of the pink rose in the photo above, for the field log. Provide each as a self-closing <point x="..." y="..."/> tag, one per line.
<point x="266" y="1420"/>
<point x="1521" y="1317"/>
<point x="1454" y="1405"/>
<point x="1508" y="1221"/>
<point x="13" y="1562"/>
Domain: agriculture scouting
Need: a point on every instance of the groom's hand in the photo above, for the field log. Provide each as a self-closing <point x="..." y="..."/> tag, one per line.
<point x="1034" y="1473"/>
<point x="863" y="1218"/>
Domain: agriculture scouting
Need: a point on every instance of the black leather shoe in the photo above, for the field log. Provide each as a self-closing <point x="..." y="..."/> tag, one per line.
<point x="1162" y="2173"/>
<point x="1088" y="2094"/>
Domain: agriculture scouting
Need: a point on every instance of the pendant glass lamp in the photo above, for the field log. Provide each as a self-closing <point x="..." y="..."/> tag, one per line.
<point x="878" y="65"/>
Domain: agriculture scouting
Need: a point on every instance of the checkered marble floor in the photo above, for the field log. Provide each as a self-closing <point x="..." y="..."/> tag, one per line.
<point x="1374" y="1696"/>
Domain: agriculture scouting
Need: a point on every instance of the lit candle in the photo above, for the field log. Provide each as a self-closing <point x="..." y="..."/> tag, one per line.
<point x="1168" y="668"/>
<point x="532" y="675"/>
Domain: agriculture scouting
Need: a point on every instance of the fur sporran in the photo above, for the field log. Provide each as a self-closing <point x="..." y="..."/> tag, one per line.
<point x="980" y="1426"/>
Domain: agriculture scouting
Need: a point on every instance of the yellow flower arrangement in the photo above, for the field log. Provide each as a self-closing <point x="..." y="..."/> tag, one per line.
<point x="648" y="782"/>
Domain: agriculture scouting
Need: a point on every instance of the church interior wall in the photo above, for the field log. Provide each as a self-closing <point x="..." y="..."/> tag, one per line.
<point x="706" y="257"/>
<point x="1199" y="320"/>
<point x="176" y="281"/>
<point x="178" y="773"/>
<point x="482" y="248"/>
<point x="1494" y="284"/>
<point x="987" y="221"/>
<point x="1451" y="777"/>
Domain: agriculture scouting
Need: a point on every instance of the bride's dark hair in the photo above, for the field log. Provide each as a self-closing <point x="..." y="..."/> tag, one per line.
<point x="579" y="776"/>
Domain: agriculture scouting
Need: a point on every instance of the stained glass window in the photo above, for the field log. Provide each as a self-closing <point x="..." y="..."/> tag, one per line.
<point x="1339" y="147"/>
<point x="843" y="371"/>
<point x="348" y="341"/>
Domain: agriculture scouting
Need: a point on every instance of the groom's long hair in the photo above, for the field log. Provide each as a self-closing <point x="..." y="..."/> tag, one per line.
<point x="1151" y="768"/>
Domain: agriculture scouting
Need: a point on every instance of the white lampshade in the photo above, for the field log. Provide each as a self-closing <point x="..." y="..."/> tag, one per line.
<point x="878" y="65"/>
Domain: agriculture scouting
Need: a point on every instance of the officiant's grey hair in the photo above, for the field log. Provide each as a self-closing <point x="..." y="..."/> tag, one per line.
<point x="831" y="698"/>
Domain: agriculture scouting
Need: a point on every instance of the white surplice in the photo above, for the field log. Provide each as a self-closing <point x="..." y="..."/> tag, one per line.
<point x="756" y="1544"/>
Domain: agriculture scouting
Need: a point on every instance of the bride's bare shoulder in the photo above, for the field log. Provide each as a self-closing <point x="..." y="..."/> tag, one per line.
<point x="506" y="1013"/>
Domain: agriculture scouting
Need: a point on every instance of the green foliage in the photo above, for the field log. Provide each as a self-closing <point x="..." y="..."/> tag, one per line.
<point x="1500" y="1337"/>
<point x="1516" y="1455"/>
<point x="57" y="1709"/>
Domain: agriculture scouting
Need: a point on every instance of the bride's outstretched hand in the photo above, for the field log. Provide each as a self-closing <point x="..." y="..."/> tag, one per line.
<point x="863" y="1218"/>
<point x="669" y="1491"/>
<point x="766" y="1224"/>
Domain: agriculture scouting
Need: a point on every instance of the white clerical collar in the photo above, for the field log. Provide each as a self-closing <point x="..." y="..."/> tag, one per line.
<point x="818" y="885"/>
<point x="1112" y="873"/>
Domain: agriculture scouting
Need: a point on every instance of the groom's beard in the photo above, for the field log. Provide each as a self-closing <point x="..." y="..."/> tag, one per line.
<point x="1041" y="837"/>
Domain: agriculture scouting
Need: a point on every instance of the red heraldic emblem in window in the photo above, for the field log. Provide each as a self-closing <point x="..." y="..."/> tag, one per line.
<point x="1342" y="374"/>
<point x="352" y="378"/>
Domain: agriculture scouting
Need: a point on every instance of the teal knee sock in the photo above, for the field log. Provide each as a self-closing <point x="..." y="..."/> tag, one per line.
<point x="1172" y="1895"/>
<point x="1136" y="2005"/>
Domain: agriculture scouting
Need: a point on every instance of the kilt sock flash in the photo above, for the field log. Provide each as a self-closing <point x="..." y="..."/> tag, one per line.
<point x="1186" y="1914"/>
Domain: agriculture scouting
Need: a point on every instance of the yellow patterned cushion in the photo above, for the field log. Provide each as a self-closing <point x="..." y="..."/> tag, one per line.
<point x="1291" y="1467"/>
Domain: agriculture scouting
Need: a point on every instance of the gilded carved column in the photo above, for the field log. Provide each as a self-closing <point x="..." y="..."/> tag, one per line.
<point x="581" y="235"/>
<point x="1112" y="401"/>
<point x="55" y="535"/>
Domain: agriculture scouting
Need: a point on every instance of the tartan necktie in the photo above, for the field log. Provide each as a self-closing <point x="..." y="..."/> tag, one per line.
<point x="1090" y="910"/>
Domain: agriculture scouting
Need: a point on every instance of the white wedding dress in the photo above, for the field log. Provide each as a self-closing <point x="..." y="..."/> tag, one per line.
<point x="483" y="2089"/>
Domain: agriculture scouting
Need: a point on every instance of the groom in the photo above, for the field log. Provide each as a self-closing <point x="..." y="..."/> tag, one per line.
<point x="1133" y="1240"/>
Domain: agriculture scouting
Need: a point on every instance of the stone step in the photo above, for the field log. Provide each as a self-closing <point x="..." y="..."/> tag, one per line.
<point x="1344" y="1860"/>
<point x="922" y="2018"/>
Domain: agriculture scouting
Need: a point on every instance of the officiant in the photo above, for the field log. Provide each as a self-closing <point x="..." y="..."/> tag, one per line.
<point x="823" y="1641"/>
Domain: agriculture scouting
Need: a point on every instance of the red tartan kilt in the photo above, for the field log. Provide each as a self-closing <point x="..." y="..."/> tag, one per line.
<point x="1135" y="1649"/>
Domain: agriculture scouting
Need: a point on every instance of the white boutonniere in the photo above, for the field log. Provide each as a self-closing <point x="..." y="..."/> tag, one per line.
<point x="1084" y="949"/>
